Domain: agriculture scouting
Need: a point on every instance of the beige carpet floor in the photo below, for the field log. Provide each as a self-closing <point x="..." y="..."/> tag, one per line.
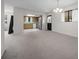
<point x="35" y="44"/>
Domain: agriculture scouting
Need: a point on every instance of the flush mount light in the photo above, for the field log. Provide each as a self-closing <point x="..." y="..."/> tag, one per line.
<point x="57" y="9"/>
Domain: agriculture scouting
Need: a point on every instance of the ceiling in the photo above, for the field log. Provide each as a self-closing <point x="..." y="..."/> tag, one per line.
<point x="39" y="5"/>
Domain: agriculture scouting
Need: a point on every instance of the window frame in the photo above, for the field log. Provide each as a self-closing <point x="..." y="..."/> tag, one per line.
<point x="68" y="16"/>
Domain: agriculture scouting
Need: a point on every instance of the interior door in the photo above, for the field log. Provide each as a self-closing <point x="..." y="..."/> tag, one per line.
<point x="49" y="26"/>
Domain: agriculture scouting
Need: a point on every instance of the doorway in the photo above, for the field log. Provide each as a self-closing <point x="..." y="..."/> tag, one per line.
<point x="11" y="25"/>
<point x="30" y="22"/>
<point x="49" y="22"/>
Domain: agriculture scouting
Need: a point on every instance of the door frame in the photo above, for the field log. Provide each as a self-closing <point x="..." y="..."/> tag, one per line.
<point x="50" y="21"/>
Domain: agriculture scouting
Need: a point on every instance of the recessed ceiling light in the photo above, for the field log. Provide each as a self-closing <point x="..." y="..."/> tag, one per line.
<point x="30" y="15"/>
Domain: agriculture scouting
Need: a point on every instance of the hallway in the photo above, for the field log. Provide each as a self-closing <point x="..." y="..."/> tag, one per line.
<point x="36" y="44"/>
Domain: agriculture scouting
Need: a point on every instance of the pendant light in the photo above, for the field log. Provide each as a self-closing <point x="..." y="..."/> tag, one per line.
<point x="58" y="9"/>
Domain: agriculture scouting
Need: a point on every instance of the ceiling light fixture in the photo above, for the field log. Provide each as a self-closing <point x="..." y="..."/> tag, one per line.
<point x="30" y="15"/>
<point x="58" y="9"/>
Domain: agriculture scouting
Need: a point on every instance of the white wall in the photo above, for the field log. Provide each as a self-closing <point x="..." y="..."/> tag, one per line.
<point x="40" y="23"/>
<point x="70" y="7"/>
<point x="8" y="10"/>
<point x="44" y="17"/>
<point x="8" y="20"/>
<point x="69" y="28"/>
<point x="2" y="27"/>
<point x="18" y="20"/>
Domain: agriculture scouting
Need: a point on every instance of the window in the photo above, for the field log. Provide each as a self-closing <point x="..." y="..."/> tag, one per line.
<point x="68" y="16"/>
<point x="28" y="19"/>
